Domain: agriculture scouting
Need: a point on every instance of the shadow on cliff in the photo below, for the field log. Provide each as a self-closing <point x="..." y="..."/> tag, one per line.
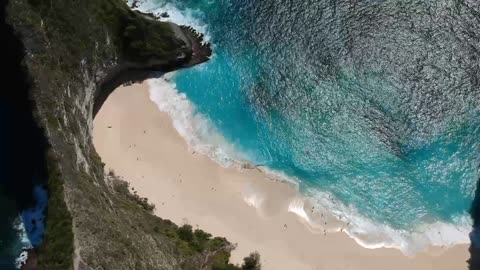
<point x="128" y="72"/>
<point x="120" y="77"/>
<point x="22" y="142"/>
<point x="474" y="261"/>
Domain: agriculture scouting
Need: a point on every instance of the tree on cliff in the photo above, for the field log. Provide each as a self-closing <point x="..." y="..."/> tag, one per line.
<point x="252" y="262"/>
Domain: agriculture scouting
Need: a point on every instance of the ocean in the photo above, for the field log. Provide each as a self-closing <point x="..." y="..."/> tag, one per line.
<point x="370" y="107"/>
<point x="23" y="198"/>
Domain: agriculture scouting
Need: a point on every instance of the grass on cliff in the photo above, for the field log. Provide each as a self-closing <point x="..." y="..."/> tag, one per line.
<point x="56" y="250"/>
<point x="136" y="37"/>
<point x="251" y="262"/>
<point x="122" y="187"/>
<point x="144" y="39"/>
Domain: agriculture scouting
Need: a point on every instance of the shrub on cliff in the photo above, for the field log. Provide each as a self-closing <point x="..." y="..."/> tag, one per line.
<point x="135" y="36"/>
<point x="122" y="187"/>
<point x="145" y="39"/>
<point x="252" y="262"/>
<point x="56" y="250"/>
<point x="185" y="233"/>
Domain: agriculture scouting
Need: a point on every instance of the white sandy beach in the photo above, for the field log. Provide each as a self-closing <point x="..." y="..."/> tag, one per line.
<point x="140" y="144"/>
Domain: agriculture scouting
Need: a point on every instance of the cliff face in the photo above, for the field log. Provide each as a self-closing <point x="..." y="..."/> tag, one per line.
<point x="76" y="53"/>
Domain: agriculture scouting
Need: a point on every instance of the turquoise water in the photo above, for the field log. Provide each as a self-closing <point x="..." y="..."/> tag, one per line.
<point x="376" y="103"/>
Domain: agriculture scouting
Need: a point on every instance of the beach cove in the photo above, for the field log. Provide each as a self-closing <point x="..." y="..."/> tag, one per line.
<point x="139" y="142"/>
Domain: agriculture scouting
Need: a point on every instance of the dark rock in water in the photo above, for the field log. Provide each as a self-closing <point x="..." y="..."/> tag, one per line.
<point x="32" y="260"/>
<point x="164" y="15"/>
<point x="135" y="4"/>
<point x="201" y="50"/>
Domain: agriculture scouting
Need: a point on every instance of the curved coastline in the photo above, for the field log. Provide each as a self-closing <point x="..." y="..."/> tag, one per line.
<point x="142" y="144"/>
<point x="320" y="210"/>
<point x="425" y="235"/>
<point x="269" y="210"/>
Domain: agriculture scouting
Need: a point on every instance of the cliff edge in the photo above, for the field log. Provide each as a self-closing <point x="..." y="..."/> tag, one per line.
<point x="73" y="54"/>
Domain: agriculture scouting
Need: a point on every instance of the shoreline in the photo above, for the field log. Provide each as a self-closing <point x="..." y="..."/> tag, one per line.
<point x="140" y="143"/>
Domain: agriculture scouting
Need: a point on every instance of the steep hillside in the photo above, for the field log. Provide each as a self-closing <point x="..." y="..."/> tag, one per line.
<point x="75" y="54"/>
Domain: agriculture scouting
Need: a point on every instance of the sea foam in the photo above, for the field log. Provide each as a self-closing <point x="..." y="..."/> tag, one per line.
<point x="194" y="127"/>
<point x="186" y="16"/>
<point x="23" y="244"/>
<point x="372" y="235"/>
<point x="297" y="206"/>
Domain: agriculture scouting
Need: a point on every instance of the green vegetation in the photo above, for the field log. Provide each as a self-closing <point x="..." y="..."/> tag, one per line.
<point x="252" y="262"/>
<point x="122" y="187"/>
<point x="200" y="241"/>
<point x="145" y="39"/>
<point x="197" y="241"/>
<point x="56" y="251"/>
<point x="135" y="36"/>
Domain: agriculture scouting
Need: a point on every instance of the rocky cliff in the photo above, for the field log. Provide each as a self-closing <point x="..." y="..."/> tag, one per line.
<point x="70" y="56"/>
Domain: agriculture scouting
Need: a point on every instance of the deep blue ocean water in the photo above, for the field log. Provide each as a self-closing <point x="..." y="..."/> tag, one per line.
<point x="22" y="202"/>
<point x="374" y="102"/>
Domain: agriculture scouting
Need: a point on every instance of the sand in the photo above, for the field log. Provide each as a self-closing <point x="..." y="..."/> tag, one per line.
<point x="140" y="144"/>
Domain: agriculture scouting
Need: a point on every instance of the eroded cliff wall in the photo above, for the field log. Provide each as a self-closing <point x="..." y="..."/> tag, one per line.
<point x="75" y="54"/>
